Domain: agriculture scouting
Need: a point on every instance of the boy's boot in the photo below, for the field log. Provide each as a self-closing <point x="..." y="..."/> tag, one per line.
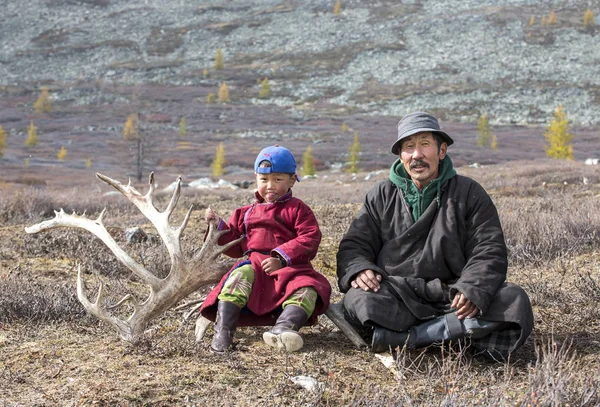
<point x="284" y="335"/>
<point x="227" y="317"/>
<point x="441" y="329"/>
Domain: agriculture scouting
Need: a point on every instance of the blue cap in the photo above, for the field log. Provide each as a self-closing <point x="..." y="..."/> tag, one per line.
<point x="281" y="159"/>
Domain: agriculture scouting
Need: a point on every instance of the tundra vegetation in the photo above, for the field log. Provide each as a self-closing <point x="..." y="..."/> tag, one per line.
<point x="52" y="352"/>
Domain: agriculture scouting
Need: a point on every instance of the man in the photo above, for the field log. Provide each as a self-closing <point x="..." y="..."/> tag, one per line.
<point x="425" y="260"/>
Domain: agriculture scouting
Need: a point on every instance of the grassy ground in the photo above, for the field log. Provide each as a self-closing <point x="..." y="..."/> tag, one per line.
<point x="52" y="353"/>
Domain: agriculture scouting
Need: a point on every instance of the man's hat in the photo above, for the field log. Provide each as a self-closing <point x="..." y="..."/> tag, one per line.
<point x="281" y="159"/>
<point x="418" y="122"/>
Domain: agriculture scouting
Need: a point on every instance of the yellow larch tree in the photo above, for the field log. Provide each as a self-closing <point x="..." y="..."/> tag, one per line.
<point x="531" y="21"/>
<point x="219" y="60"/>
<point x="219" y="161"/>
<point x="130" y="130"/>
<point x="337" y="8"/>
<point x="62" y="154"/>
<point x="265" y="89"/>
<point x="344" y="127"/>
<point x="224" y="93"/>
<point x="43" y="104"/>
<point x="552" y="18"/>
<point x="483" y="131"/>
<point x="308" y="163"/>
<point x="3" y="143"/>
<point x="494" y="143"/>
<point x="588" y="19"/>
<point x="183" y="127"/>
<point x="354" y="153"/>
<point x="32" y="136"/>
<point x="88" y="162"/>
<point x="558" y="136"/>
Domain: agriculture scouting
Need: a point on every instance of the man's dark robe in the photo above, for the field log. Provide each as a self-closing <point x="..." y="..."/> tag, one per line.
<point x="456" y="245"/>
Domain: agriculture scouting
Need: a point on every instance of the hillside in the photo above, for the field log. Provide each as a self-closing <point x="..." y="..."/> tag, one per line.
<point x="105" y="59"/>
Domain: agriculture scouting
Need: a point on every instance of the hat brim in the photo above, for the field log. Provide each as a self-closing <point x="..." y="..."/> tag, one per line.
<point x="446" y="138"/>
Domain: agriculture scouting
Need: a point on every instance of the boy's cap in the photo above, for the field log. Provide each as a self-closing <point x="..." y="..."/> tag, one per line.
<point x="281" y="159"/>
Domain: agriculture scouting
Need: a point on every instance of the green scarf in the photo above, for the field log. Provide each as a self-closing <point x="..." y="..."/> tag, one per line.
<point x="418" y="201"/>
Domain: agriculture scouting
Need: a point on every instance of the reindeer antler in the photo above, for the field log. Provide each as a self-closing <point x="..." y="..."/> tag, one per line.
<point x="186" y="276"/>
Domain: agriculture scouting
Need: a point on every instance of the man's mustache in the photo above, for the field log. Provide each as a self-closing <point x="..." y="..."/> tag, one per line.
<point x="418" y="163"/>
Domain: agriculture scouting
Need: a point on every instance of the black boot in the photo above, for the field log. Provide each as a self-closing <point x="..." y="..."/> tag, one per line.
<point x="441" y="329"/>
<point x="227" y="317"/>
<point x="284" y="335"/>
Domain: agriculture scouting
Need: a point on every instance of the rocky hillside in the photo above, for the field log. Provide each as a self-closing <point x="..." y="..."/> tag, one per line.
<point x="374" y="62"/>
<point x="458" y="57"/>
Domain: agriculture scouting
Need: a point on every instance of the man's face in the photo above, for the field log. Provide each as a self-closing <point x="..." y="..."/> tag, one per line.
<point x="274" y="185"/>
<point x="421" y="157"/>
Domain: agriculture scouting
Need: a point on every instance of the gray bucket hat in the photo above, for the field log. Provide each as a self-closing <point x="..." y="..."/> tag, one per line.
<point x="418" y="122"/>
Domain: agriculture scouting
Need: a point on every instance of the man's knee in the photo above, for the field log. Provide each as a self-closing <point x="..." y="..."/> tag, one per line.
<point x="380" y="308"/>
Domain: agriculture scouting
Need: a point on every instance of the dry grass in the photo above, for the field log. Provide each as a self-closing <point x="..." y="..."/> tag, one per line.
<point x="51" y="353"/>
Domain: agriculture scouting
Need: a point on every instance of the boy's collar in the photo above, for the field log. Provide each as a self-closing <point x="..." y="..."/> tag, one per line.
<point x="282" y="198"/>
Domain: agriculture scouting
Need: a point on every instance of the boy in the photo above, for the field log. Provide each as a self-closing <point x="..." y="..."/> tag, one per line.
<point x="275" y="282"/>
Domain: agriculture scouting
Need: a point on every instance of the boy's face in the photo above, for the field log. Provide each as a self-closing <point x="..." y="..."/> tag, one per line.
<point x="272" y="186"/>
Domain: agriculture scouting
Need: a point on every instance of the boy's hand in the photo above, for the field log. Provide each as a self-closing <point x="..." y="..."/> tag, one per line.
<point x="211" y="215"/>
<point x="271" y="264"/>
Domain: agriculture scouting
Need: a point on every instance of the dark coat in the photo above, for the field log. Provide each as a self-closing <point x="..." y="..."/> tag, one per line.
<point x="287" y="228"/>
<point x="457" y="245"/>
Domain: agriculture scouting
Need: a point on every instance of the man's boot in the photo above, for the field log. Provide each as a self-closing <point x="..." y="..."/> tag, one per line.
<point x="284" y="335"/>
<point x="227" y="317"/>
<point x="441" y="329"/>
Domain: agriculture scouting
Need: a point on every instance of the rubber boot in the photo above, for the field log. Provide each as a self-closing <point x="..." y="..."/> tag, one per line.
<point x="441" y="329"/>
<point x="227" y="317"/>
<point x="284" y="335"/>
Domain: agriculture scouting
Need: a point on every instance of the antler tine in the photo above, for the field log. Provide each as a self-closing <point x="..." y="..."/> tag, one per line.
<point x="95" y="308"/>
<point x="174" y="198"/>
<point x="96" y="227"/>
<point x="211" y="248"/>
<point x="126" y="190"/>
<point x="185" y="221"/>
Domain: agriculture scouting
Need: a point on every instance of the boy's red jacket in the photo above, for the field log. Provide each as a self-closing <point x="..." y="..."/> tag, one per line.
<point x="287" y="228"/>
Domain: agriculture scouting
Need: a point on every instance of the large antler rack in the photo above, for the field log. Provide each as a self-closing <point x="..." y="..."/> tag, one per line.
<point x="186" y="275"/>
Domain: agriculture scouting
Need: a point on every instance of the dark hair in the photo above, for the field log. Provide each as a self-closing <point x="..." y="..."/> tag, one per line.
<point x="265" y="164"/>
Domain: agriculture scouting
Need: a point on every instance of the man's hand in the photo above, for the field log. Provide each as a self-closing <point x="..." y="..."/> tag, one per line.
<point x="464" y="307"/>
<point x="271" y="264"/>
<point x="211" y="215"/>
<point x="367" y="280"/>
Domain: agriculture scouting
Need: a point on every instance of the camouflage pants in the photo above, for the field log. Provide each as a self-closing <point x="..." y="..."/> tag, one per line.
<point x="238" y="286"/>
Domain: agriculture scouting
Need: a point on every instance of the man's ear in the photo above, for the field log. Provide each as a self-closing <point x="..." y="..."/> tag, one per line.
<point x="443" y="150"/>
<point x="294" y="178"/>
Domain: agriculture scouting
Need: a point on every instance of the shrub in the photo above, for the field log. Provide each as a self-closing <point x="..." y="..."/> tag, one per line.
<point x="62" y="154"/>
<point x="265" y="89"/>
<point x="531" y="21"/>
<point x="88" y="162"/>
<point x="219" y="60"/>
<point x="344" y="127"/>
<point x="205" y="72"/>
<point x="308" y="163"/>
<point x="558" y="136"/>
<point x="219" y="161"/>
<point x="223" y="93"/>
<point x="494" y="143"/>
<point x="43" y="103"/>
<point x="32" y="138"/>
<point x="210" y="98"/>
